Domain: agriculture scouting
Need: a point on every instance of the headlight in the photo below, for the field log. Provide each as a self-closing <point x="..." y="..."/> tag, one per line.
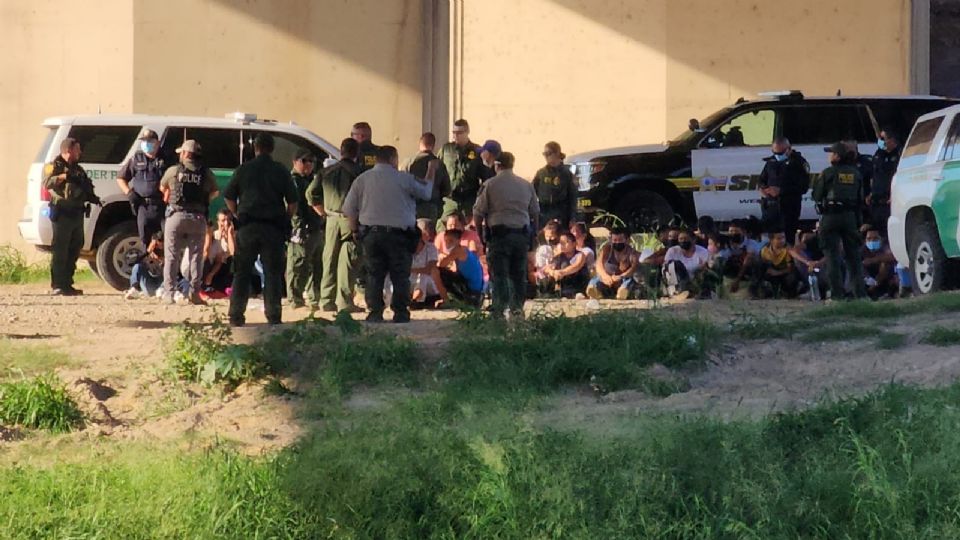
<point x="584" y="173"/>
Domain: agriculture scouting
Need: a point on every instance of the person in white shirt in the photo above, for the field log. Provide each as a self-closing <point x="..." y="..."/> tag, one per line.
<point x="686" y="269"/>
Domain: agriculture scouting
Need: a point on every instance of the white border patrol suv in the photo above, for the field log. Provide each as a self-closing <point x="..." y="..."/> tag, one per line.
<point x="108" y="140"/>
<point x="714" y="168"/>
<point x="924" y="225"/>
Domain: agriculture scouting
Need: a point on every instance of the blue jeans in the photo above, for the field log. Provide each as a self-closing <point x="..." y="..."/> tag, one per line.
<point x="140" y="278"/>
<point x="609" y="292"/>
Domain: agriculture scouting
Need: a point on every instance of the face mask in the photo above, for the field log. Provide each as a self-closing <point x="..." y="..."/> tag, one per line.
<point x="736" y="238"/>
<point x="686" y="245"/>
<point x="619" y="246"/>
<point x="882" y="144"/>
<point x="673" y="242"/>
<point x="874" y="245"/>
<point x="148" y="146"/>
<point x="780" y="157"/>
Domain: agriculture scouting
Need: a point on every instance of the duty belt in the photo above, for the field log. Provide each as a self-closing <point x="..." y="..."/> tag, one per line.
<point x="332" y="214"/>
<point x="385" y="228"/>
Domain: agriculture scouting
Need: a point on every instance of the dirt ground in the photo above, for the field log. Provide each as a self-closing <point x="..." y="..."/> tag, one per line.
<point x="117" y="369"/>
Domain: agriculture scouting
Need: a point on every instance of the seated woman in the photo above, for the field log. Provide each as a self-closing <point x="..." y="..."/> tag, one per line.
<point x="585" y="243"/>
<point x="460" y="271"/>
<point x="776" y="274"/>
<point x="568" y="275"/>
<point x="617" y="264"/>
<point x="219" y="248"/>
<point x="686" y="269"/>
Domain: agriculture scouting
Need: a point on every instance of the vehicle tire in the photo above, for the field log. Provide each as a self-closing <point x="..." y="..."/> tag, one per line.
<point x="113" y="266"/>
<point x="928" y="262"/>
<point x="645" y="211"/>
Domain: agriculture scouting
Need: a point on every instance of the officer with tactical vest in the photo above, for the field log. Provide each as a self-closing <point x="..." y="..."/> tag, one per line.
<point x="139" y="179"/>
<point x="71" y="193"/>
<point x="305" y="250"/>
<point x="367" y="154"/>
<point x="837" y="193"/>
<point x="264" y="199"/>
<point x="461" y="158"/>
<point x="188" y="189"/>
<point x="556" y="188"/>
<point x="340" y="253"/>
<point x="885" y="162"/>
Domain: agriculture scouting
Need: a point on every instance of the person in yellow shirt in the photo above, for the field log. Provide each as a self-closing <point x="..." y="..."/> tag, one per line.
<point x="776" y="274"/>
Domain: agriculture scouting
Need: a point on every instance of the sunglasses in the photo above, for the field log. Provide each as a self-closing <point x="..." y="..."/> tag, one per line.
<point x="307" y="161"/>
<point x="548" y="154"/>
<point x="457" y="132"/>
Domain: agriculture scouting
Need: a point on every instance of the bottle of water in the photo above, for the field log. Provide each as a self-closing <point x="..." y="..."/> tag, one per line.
<point x="814" y="280"/>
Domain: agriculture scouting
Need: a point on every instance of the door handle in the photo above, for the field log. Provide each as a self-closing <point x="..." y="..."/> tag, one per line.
<point x="938" y="179"/>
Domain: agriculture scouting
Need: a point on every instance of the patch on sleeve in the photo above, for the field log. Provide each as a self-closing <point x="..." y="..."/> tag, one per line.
<point x="48" y="170"/>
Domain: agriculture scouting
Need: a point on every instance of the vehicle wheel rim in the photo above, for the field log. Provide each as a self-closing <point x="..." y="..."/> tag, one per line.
<point x="644" y="219"/>
<point x="119" y="260"/>
<point x="923" y="263"/>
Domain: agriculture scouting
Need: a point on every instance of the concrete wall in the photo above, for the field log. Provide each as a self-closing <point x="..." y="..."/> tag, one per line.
<point x="599" y="73"/>
<point x="59" y="57"/>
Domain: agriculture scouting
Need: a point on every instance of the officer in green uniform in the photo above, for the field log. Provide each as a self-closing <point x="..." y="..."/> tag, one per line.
<point x="556" y="188"/>
<point x="305" y="250"/>
<point x="838" y="192"/>
<point x="508" y="211"/>
<point x="461" y="158"/>
<point x="367" y="155"/>
<point x="71" y="191"/>
<point x="340" y="253"/>
<point x="264" y="199"/>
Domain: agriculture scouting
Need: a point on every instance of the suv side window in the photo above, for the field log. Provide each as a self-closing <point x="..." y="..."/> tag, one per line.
<point x="286" y="146"/>
<point x="826" y="124"/>
<point x="220" y="146"/>
<point x="951" y="147"/>
<point x="751" y="128"/>
<point x="915" y="152"/>
<point x="104" y="144"/>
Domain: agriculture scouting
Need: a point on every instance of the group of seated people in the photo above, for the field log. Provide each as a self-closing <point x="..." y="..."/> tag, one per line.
<point x="677" y="262"/>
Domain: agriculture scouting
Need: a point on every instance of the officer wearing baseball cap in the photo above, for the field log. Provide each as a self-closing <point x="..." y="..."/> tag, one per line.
<point x="838" y="192"/>
<point x="556" y="187"/>
<point x="139" y="180"/>
<point x="305" y="250"/>
<point x="264" y="199"/>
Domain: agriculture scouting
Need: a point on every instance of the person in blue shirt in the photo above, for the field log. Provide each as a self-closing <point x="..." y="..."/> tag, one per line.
<point x="461" y="271"/>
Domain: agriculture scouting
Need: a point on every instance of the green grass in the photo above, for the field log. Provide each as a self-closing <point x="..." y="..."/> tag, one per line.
<point x="14" y="268"/>
<point x="19" y="359"/>
<point x="839" y="332"/>
<point x="942" y="337"/>
<point x="889" y="341"/>
<point x="883" y="466"/>
<point x="41" y="403"/>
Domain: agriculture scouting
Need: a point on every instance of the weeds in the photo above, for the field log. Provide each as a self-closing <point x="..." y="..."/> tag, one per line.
<point x="20" y="359"/>
<point x="14" y="267"/>
<point x="838" y="332"/>
<point x="749" y="326"/>
<point x="942" y="337"/>
<point x="889" y="341"/>
<point x="40" y="403"/>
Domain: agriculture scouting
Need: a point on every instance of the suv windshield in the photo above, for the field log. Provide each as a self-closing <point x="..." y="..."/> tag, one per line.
<point x="707" y="124"/>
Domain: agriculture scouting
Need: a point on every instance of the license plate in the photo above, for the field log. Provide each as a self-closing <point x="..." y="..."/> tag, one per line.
<point x="583" y="203"/>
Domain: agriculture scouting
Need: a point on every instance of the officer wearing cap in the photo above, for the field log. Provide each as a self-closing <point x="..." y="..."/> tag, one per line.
<point x="264" y="199"/>
<point x="556" y="187"/>
<point x="139" y="179"/>
<point x="367" y="155"/>
<point x="305" y="250"/>
<point x="340" y="253"/>
<point x="461" y="158"/>
<point x="489" y="152"/>
<point x="71" y="190"/>
<point x="188" y="189"/>
<point x="509" y="209"/>
<point x="838" y="192"/>
<point x="417" y="166"/>
<point x="381" y="208"/>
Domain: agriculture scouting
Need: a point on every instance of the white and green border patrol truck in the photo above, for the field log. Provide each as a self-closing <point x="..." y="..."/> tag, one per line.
<point x="108" y="140"/>
<point x="924" y="227"/>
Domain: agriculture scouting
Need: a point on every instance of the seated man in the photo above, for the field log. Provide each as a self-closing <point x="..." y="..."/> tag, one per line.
<point x="776" y="274"/>
<point x="426" y="287"/>
<point x="809" y="260"/>
<point x="686" y="269"/>
<point x="146" y="276"/>
<point x="460" y="271"/>
<point x="615" y="267"/>
<point x="568" y="274"/>
<point x="740" y="254"/>
<point x="878" y="266"/>
<point x="219" y="248"/>
<point x="544" y="254"/>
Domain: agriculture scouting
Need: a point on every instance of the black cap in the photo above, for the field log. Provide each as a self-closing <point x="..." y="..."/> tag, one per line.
<point x="148" y="134"/>
<point x="837" y="148"/>
<point x="302" y="154"/>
